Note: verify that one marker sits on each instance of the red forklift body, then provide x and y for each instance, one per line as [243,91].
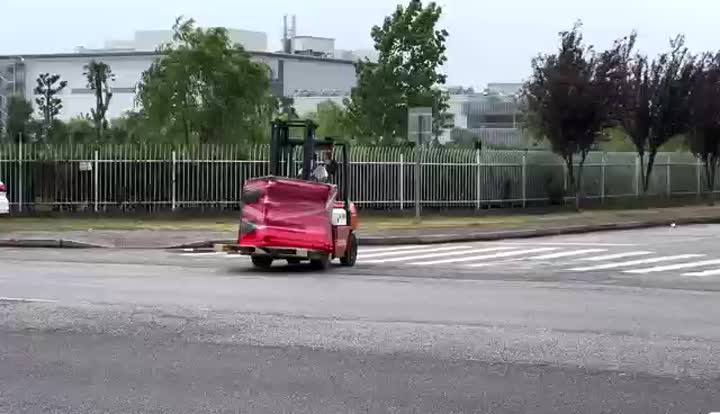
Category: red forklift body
[284,212]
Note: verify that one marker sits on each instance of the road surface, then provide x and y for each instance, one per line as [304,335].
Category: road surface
[607,322]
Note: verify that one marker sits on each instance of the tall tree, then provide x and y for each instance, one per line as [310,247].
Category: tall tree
[48,87]
[411,51]
[704,109]
[205,88]
[652,105]
[99,75]
[19,113]
[569,96]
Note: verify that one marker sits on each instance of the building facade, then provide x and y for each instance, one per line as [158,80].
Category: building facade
[288,73]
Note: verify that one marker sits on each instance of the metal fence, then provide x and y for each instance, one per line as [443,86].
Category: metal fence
[157,177]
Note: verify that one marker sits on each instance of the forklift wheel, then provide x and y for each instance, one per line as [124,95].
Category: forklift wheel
[351,253]
[321,263]
[262,262]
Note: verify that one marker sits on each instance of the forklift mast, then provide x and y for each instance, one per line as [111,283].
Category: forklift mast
[282,148]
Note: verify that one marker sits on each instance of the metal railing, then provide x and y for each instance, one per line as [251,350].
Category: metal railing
[163,177]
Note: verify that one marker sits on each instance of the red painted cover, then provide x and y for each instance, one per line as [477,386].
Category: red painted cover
[288,213]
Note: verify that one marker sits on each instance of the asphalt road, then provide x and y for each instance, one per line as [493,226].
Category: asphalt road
[547,325]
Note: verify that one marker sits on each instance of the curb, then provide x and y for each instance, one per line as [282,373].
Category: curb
[531,233]
[48,243]
[398,240]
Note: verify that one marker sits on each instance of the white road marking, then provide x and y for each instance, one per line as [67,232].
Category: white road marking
[674,267]
[445,254]
[389,249]
[636,262]
[712,272]
[567,244]
[202,254]
[567,254]
[28,300]
[423,250]
[487,256]
[615,256]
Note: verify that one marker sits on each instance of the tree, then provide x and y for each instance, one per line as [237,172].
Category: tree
[48,86]
[205,88]
[704,114]
[99,75]
[331,119]
[652,105]
[19,113]
[411,50]
[569,96]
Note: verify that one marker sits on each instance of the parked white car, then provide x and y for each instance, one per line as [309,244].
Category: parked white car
[4,203]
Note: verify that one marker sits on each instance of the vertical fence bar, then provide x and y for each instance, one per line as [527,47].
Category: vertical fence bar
[603,163]
[20,174]
[96,176]
[173,189]
[524,179]
[418,166]
[402,181]
[637,176]
[698,189]
[668,182]
[478,188]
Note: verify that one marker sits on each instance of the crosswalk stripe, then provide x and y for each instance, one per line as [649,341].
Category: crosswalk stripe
[674,267]
[636,262]
[431,255]
[389,249]
[487,256]
[429,249]
[615,256]
[508,254]
[203,254]
[711,272]
[567,254]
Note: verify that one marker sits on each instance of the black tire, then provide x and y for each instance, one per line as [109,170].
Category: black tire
[351,252]
[320,263]
[262,262]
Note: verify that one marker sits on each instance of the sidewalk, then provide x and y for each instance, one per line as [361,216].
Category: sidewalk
[128,233]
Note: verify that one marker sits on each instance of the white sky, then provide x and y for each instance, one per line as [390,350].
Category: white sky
[490,40]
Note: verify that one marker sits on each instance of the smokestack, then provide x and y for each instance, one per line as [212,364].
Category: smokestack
[293,32]
[285,35]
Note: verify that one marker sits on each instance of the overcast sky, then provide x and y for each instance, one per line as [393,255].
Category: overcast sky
[490,40]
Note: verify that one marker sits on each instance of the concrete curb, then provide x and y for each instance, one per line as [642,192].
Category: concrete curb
[48,243]
[397,240]
[530,233]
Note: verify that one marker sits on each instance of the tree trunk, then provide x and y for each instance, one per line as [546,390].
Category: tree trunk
[642,171]
[571,178]
[648,173]
[710,163]
[578,188]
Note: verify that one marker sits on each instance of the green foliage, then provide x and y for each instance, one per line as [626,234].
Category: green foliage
[99,75]
[19,113]
[464,138]
[332,120]
[411,51]
[48,86]
[206,89]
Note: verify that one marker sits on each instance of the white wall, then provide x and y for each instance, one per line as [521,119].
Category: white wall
[76,98]
[318,75]
[299,73]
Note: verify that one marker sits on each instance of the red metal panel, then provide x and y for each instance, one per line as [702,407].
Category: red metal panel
[289,213]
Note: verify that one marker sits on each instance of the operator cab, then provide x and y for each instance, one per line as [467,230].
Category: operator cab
[318,164]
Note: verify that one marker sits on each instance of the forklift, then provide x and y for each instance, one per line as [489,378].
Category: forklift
[299,216]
